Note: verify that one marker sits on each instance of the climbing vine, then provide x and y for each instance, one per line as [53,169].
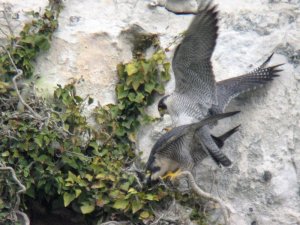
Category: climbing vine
[62,160]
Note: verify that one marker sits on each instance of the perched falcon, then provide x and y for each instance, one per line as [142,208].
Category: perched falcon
[196,93]
[176,149]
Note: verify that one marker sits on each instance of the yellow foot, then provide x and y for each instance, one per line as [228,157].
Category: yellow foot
[172,175]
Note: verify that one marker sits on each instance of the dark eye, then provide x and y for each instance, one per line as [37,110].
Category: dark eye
[155,169]
[162,105]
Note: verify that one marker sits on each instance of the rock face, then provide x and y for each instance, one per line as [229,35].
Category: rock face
[263,185]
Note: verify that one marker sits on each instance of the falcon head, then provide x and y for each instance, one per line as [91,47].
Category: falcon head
[162,106]
[158,166]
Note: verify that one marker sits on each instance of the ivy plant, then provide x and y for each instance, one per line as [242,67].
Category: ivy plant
[64,161]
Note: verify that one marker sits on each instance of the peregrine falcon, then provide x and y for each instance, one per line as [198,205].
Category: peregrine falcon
[176,149]
[196,93]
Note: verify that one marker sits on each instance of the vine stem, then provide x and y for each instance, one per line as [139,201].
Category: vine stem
[17,76]
[225,209]
[22,190]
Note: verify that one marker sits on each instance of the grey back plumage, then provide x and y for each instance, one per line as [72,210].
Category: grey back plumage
[191,62]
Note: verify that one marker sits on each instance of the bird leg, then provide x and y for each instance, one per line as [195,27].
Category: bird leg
[172,175]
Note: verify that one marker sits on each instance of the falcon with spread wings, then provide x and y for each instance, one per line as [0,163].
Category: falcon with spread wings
[196,93]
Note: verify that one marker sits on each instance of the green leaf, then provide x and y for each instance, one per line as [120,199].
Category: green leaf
[77,192]
[88,177]
[139,98]
[127,124]
[146,67]
[121,204]
[121,93]
[160,89]
[131,68]
[136,80]
[114,194]
[43,158]
[71,177]
[120,70]
[68,198]
[159,56]
[87,207]
[131,96]
[120,131]
[5,154]
[165,75]
[114,111]
[94,144]
[42,42]
[149,87]
[98,185]
[100,176]
[151,197]
[28,40]
[132,191]
[31,191]
[125,186]
[39,140]
[144,215]
[136,206]
[101,201]
[136,84]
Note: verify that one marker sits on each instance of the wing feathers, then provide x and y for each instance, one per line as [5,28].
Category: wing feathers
[231,88]
[191,62]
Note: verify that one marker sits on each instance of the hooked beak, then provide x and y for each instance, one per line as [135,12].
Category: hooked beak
[150,182]
[162,112]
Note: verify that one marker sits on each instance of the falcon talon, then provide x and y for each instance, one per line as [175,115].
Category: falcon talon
[172,175]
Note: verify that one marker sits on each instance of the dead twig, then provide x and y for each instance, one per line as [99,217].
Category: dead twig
[17,76]
[61,120]
[23,216]
[22,190]
[163,216]
[14,177]
[6,18]
[225,209]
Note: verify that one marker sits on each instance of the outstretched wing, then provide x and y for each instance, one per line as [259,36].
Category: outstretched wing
[231,88]
[191,62]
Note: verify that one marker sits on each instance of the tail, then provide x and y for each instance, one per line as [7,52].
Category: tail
[220,158]
[208,143]
[221,139]
[263,65]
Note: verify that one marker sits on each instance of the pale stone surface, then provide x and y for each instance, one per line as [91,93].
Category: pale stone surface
[263,184]
[177,6]
[16,13]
